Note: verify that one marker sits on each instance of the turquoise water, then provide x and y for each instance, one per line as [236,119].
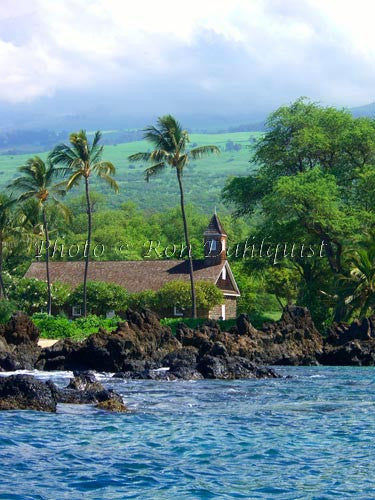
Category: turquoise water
[309,437]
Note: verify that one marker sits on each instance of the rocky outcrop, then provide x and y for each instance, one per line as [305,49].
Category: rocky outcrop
[350,344]
[140,337]
[236,367]
[18,343]
[142,348]
[25,392]
[293,340]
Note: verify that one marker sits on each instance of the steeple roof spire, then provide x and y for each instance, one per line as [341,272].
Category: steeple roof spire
[215,227]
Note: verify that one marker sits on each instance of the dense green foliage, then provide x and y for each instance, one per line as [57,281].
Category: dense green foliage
[59,327]
[312,195]
[177,293]
[101,297]
[7,308]
[304,216]
[31,295]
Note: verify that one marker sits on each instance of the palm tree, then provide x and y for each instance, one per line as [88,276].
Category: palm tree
[38,181]
[170,142]
[7,231]
[358,288]
[84,159]
[31,222]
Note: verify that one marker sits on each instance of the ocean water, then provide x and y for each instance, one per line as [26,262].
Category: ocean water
[311,436]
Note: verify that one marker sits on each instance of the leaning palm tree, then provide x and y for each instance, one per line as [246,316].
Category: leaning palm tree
[38,181]
[84,159]
[170,142]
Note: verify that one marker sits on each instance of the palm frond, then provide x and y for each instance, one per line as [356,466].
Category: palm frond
[80,144]
[157,138]
[159,155]
[74,180]
[202,151]
[67,214]
[154,170]
[26,195]
[63,154]
[105,167]
[23,183]
[109,180]
[96,151]
[140,157]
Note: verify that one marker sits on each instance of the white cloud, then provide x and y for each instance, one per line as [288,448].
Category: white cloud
[262,47]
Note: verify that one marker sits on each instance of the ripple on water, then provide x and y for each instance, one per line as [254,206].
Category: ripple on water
[308,437]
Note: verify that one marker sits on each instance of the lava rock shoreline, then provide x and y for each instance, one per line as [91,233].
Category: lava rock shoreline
[26,392]
[143,348]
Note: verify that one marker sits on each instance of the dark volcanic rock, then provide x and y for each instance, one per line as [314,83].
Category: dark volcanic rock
[182,364]
[352,344]
[292,340]
[18,343]
[19,330]
[25,392]
[112,405]
[353,353]
[141,348]
[244,327]
[341,333]
[85,389]
[233,367]
[141,337]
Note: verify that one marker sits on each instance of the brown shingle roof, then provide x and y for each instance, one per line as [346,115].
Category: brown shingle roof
[135,276]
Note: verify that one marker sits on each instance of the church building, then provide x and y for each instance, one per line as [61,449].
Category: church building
[137,276]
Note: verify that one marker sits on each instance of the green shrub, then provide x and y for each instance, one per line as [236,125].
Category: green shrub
[54,327]
[7,308]
[59,327]
[143,300]
[101,297]
[30,295]
[178,293]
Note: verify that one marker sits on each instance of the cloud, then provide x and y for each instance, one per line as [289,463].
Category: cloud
[211,54]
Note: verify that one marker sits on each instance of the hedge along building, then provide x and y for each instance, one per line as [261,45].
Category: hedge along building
[138,276]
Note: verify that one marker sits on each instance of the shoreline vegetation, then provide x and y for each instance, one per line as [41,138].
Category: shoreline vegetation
[310,184]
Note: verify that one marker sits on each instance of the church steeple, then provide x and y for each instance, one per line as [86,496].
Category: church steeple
[215,242]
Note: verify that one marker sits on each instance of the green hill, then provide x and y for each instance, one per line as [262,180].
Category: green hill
[204,178]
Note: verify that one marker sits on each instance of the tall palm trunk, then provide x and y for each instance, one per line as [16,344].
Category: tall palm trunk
[89,229]
[45,226]
[3,293]
[187,242]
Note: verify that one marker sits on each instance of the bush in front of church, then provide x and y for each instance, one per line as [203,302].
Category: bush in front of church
[101,297]
[178,294]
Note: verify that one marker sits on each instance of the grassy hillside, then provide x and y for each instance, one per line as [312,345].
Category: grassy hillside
[204,178]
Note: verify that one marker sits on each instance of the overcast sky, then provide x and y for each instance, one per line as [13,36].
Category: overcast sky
[199,57]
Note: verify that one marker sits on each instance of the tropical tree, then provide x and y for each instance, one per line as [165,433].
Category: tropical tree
[356,290]
[38,181]
[7,231]
[171,142]
[83,160]
[299,138]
